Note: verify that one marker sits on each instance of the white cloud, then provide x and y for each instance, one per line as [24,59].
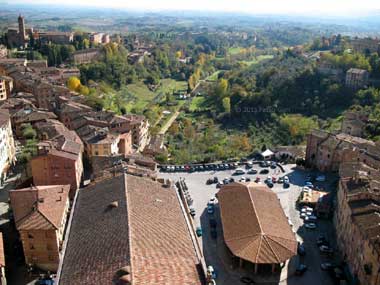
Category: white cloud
[327,7]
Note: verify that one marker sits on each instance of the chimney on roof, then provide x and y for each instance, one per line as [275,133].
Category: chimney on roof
[124,274]
[59,199]
[114,204]
[41,200]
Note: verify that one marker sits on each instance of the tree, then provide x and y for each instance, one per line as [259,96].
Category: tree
[73,83]
[28,132]
[227,105]
[85,44]
[83,90]
[178,54]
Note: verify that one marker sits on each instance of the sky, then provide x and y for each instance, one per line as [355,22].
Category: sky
[301,7]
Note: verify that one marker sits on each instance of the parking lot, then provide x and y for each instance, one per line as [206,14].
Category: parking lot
[216,253]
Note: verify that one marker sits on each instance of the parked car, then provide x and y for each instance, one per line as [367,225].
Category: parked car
[199,231]
[337,273]
[242,179]
[216,180]
[286,179]
[192,212]
[301,269]
[219,184]
[280,180]
[264,171]
[321,178]
[210,209]
[264,164]
[326,249]
[252,171]
[301,249]
[309,184]
[45,281]
[327,266]
[311,226]
[239,171]
[274,179]
[311,218]
[249,165]
[210,181]
[232,180]
[322,240]
[306,209]
[273,165]
[247,179]
[211,271]
[257,180]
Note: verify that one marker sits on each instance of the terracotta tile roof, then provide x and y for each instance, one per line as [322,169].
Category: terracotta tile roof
[39,207]
[33,116]
[162,250]
[130,221]
[63,138]
[255,227]
[98,239]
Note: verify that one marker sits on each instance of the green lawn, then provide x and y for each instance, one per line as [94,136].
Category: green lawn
[197,103]
[138,95]
[214,76]
[257,60]
[234,50]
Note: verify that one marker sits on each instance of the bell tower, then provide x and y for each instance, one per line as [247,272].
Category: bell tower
[21,28]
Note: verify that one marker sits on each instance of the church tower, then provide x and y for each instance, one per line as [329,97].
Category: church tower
[21,28]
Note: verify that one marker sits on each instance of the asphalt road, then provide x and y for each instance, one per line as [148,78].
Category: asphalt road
[216,253]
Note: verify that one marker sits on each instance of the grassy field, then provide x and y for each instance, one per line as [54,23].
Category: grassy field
[139,96]
[197,103]
[214,76]
[234,50]
[257,59]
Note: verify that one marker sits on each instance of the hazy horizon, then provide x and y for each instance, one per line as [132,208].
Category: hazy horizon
[327,8]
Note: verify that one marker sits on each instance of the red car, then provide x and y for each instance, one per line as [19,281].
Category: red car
[257,179]
[274,179]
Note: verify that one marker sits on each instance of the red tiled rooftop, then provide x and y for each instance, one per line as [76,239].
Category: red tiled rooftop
[128,222]
[255,227]
[39,207]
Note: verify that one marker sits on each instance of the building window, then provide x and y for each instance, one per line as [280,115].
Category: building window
[30,236]
[31,246]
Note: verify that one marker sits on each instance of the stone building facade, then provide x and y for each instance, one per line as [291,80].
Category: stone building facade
[357,222]
[40,214]
[7,144]
[356,78]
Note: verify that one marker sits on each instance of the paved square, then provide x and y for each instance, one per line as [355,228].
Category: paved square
[215,251]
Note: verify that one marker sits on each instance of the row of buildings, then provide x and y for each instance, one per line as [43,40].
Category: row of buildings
[354,78]
[357,209]
[68,131]
[21,36]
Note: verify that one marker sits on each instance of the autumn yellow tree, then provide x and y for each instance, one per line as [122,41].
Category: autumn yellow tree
[83,90]
[73,83]
[178,54]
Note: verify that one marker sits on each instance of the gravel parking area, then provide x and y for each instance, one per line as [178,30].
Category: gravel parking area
[216,253]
